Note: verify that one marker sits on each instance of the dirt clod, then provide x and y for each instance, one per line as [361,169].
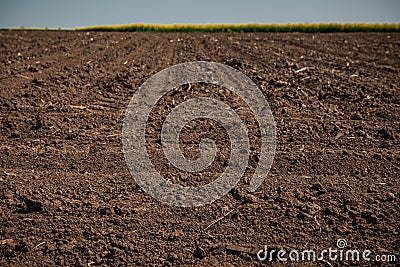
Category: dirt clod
[32,205]
[199,253]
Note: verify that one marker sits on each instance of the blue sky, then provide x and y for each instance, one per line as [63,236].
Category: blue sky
[76,13]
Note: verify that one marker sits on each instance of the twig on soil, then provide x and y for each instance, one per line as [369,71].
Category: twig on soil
[23,76]
[217,220]
[211,236]
[241,249]
[316,221]
[327,262]
[38,245]
[303,69]
[189,87]
[347,186]
[78,107]
[112,135]
[5,241]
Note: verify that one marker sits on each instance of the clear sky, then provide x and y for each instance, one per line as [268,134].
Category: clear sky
[76,13]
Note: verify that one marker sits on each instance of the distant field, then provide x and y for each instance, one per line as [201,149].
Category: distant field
[322,27]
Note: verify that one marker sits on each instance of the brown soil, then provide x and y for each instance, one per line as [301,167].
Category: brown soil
[67,197]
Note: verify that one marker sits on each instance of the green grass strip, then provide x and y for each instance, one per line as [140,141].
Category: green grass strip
[322,27]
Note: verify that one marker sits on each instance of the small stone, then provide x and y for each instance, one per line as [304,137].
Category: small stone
[51,246]
[390,196]
[251,198]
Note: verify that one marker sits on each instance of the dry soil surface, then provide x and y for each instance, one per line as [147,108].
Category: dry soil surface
[67,197]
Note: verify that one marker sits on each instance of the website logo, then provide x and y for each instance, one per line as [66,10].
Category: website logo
[147,97]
